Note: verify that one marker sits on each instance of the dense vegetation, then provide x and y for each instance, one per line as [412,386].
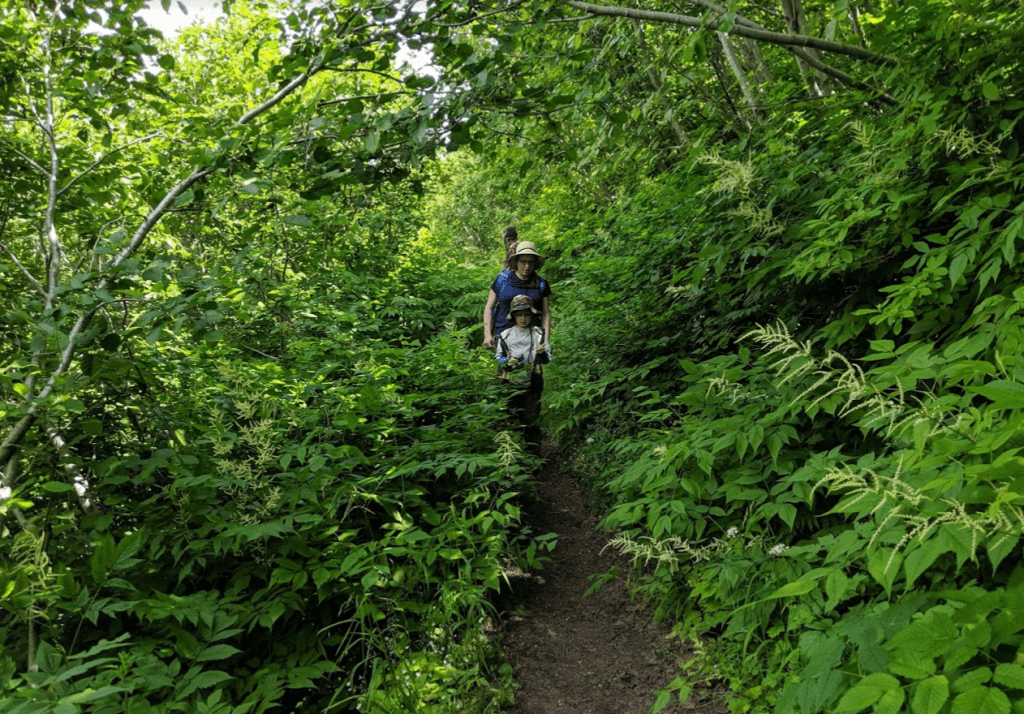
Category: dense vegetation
[249,455]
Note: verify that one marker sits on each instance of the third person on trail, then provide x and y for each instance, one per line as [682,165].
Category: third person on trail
[510,237]
[522,279]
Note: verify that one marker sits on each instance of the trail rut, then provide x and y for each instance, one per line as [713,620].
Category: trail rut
[600,654]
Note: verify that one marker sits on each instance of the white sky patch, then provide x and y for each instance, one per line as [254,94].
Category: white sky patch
[182,13]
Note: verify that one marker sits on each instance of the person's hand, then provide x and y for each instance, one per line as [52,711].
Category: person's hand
[542,348]
[512,362]
[489,342]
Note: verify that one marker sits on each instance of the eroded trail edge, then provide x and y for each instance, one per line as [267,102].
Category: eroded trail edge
[600,654]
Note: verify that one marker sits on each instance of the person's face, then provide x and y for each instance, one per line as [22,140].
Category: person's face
[523,318]
[525,266]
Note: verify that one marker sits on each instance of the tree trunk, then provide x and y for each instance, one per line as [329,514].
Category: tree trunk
[756,61]
[817,83]
[741,78]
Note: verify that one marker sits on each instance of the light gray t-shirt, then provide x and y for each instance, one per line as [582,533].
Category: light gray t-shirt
[521,343]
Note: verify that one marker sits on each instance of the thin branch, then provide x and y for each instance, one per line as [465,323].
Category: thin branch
[103,158]
[767,10]
[352,70]
[476,18]
[742,29]
[342,100]
[578,18]
[23,269]
[842,76]
[30,162]
[274,100]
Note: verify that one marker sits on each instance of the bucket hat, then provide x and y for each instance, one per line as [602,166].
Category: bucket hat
[525,247]
[520,303]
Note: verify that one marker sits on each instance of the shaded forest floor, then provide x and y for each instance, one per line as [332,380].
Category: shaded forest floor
[600,654]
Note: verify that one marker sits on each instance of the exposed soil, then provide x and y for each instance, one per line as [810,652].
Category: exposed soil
[600,654]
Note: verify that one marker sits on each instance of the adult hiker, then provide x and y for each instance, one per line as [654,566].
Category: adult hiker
[521,352]
[522,279]
[509,237]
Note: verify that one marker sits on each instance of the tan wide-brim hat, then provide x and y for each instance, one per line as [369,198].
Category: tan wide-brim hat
[525,247]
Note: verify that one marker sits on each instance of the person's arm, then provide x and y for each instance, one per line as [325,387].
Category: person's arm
[543,349]
[546,319]
[488,309]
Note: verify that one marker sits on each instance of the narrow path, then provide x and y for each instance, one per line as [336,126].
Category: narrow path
[572,654]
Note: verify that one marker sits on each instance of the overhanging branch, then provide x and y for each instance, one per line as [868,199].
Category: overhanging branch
[743,29]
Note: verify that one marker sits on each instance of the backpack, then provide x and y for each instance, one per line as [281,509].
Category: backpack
[521,375]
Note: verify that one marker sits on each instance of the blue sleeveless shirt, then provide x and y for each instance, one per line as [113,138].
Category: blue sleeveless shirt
[506,286]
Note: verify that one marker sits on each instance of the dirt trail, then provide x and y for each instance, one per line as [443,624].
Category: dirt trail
[600,654]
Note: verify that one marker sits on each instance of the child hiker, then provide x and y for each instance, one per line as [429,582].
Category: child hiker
[522,350]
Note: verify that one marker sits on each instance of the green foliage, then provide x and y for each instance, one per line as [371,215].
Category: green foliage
[246,450]
[788,361]
[236,465]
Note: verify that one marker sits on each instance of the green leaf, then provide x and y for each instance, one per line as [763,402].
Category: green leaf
[866,692]
[1009,675]
[184,199]
[891,702]
[1004,393]
[191,683]
[110,342]
[835,587]
[982,700]
[102,558]
[797,587]
[884,566]
[371,142]
[90,695]
[930,695]
[999,546]
[920,559]
[166,62]
[217,652]
[990,91]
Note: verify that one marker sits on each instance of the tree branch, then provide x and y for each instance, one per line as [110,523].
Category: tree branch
[342,100]
[352,70]
[842,76]
[743,29]
[481,17]
[30,162]
[23,269]
[103,158]
[17,432]
[78,481]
